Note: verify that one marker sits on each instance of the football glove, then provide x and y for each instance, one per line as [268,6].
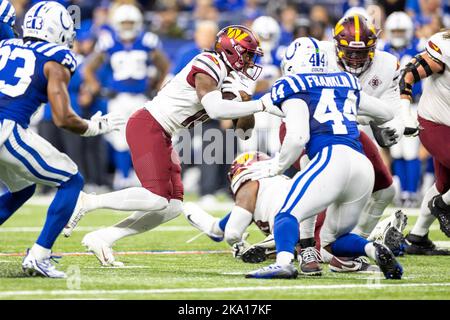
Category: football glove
[235,83]
[99,124]
[240,247]
[264,169]
[385,137]
[269,107]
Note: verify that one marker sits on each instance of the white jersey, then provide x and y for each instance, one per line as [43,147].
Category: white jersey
[380,80]
[271,195]
[434,104]
[177,105]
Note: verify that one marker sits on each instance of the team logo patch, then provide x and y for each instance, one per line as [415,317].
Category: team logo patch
[375,82]
[434,47]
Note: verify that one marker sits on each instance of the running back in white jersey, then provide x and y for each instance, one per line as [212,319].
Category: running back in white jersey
[271,194]
[434,104]
[177,105]
[380,80]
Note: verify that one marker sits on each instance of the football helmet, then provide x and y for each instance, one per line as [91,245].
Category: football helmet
[304,56]
[399,29]
[49,21]
[238,169]
[268,31]
[239,48]
[127,21]
[355,40]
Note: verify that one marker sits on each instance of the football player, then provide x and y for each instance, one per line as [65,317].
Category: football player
[194,95]
[34,70]
[7,20]
[406,165]
[434,119]
[131,53]
[321,110]
[353,51]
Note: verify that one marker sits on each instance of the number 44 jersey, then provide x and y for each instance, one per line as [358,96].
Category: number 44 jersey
[332,101]
[23,85]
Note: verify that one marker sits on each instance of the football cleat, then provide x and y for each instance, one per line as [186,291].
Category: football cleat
[422,245]
[441,211]
[360,264]
[389,231]
[101,250]
[387,262]
[260,251]
[77,214]
[309,262]
[201,220]
[34,268]
[274,271]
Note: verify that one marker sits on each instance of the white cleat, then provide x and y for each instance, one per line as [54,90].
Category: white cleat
[34,268]
[77,214]
[201,220]
[101,250]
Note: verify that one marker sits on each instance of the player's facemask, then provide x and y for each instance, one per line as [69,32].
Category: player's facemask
[356,60]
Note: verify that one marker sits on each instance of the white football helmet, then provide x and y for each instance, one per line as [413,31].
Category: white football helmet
[399,29]
[304,56]
[268,31]
[49,21]
[128,21]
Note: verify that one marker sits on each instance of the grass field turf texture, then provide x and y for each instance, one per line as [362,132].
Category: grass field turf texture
[178,272]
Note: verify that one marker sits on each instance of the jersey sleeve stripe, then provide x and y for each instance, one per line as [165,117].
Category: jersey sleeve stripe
[292,84]
[209,69]
[54,50]
[300,82]
[4,9]
[45,47]
[10,17]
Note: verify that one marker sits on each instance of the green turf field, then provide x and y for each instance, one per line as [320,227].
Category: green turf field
[205,275]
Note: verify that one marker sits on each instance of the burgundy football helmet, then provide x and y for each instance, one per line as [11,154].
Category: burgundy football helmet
[239,48]
[355,40]
[238,168]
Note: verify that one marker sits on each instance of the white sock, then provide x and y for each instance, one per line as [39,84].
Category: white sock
[326,256]
[370,250]
[140,222]
[216,229]
[284,258]
[425,218]
[307,227]
[373,211]
[130,199]
[446,197]
[39,252]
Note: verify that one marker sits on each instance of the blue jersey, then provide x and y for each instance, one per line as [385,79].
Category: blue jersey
[333,101]
[404,55]
[23,85]
[129,62]
[7,20]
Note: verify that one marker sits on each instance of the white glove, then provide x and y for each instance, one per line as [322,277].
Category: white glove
[235,83]
[99,124]
[240,247]
[407,115]
[398,125]
[269,107]
[264,169]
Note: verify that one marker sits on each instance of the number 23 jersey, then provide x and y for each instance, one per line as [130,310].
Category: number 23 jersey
[332,100]
[23,85]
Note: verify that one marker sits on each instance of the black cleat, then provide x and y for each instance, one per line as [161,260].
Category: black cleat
[254,254]
[441,211]
[422,245]
[387,262]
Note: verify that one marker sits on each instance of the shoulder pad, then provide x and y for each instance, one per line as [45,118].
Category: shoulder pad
[285,87]
[151,40]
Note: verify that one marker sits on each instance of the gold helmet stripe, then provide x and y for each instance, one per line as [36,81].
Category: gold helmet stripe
[357,29]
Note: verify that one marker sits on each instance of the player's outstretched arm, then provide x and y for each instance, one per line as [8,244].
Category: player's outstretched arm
[63,115]
[421,66]
[375,108]
[58,78]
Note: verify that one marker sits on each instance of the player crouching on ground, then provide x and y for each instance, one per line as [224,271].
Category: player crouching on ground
[321,111]
[259,201]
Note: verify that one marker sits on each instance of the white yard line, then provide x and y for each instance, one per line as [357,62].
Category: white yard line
[81,228]
[218,290]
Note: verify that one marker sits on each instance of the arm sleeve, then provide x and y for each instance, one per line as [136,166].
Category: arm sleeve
[218,108]
[374,108]
[238,222]
[297,132]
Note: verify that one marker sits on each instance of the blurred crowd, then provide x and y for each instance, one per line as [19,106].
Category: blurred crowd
[180,30]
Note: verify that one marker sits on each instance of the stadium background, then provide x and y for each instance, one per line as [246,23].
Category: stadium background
[181,28]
